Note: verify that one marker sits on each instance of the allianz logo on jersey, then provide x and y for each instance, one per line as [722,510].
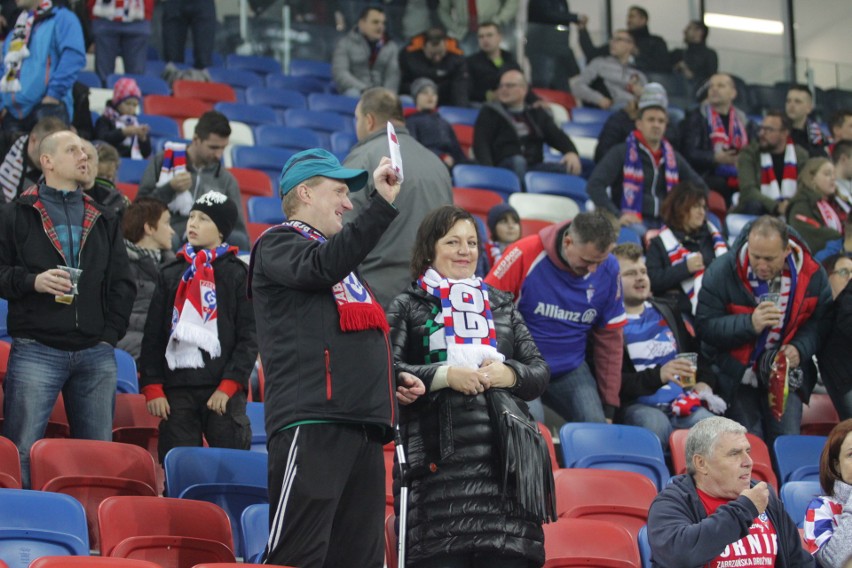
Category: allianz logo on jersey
[555,312]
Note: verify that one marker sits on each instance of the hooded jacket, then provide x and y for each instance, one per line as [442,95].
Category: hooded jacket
[803,214]
[350,64]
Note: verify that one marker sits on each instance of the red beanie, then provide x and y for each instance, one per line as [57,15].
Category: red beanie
[125,88]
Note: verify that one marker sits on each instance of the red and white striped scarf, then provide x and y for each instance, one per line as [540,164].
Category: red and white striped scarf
[736,137]
[119,10]
[829,215]
[18,45]
[678,254]
[634,176]
[769,185]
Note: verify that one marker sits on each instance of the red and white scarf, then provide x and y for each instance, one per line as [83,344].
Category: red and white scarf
[634,175]
[119,10]
[174,162]
[829,216]
[195,314]
[123,120]
[466,313]
[678,254]
[18,45]
[736,136]
[769,184]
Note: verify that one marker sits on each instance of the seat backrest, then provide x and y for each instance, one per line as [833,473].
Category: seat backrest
[798,457]
[735,223]
[257,63]
[35,524]
[178,109]
[582,542]
[238,78]
[333,103]
[391,542]
[544,207]
[533,226]
[260,158]
[644,547]
[265,210]
[587,129]
[131,171]
[126,372]
[204,91]
[620,497]
[276,98]
[762,467]
[249,114]
[614,446]
[10,465]
[819,416]
[162,126]
[476,201]
[589,114]
[563,98]
[275,135]
[551,449]
[86,561]
[254,411]
[252,182]
[677,448]
[459,115]
[323,121]
[486,177]
[565,185]
[310,68]
[304,84]
[254,524]
[796,495]
[342,142]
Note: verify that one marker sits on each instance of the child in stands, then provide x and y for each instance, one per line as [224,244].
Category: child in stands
[200,345]
[504,223]
[119,125]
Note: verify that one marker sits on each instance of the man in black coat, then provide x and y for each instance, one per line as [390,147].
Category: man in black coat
[439,61]
[486,65]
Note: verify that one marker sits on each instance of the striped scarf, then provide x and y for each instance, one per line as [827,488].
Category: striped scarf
[468,323]
[18,49]
[13,169]
[119,10]
[634,175]
[678,254]
[814,132]
[769,184]
[823,517]
[122,120]
[174,162]
[829,216]
[736,136]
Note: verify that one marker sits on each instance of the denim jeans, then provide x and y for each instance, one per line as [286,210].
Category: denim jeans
[179,16]
[574,396]
[519,165]
[659,422]
[34,378]
[750,407]
[118,39]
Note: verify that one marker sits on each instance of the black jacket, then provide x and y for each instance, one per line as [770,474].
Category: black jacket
[101,309]
[701,60]
[145,271]
[106,130]
[456,486]
[235,324]
[495,137]
[695,142]
[653,53]
[450,74]
[484,75]
[833,356]
[315,371]
[618,127]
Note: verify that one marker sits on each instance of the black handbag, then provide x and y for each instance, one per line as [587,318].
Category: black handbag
[524,458]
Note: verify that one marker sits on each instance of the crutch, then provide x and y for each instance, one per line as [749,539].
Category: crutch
[403,495]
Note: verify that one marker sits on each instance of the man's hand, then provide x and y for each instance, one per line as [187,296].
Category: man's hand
[766,314]
[385,180]
[217,402]
[605,103]
[159,407]
[467,381]
[628,219]
[410,388]
[181,182]
[726,157]
[793,357]
[53,281]
[572,163]
[582,21]
[782,206]
[497,374]
[759,495]
[48,100]
[694,263]
[672,371]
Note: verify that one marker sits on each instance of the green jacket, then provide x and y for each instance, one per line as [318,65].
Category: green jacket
[748,172]
[803,215]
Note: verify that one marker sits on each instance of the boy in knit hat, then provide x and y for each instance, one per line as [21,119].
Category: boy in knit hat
[119,125]
[200,344]
[429,128]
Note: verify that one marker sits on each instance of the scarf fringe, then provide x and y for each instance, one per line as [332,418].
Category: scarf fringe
[198,337]
[358,317]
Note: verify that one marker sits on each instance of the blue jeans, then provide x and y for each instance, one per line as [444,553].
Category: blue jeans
[37,374]
[519,165]
[574,396]
[661,423]
[750,407]
[118,39]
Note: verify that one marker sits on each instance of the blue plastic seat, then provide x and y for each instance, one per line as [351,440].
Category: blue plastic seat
[4,313]
[256,63]
[265,210]
[254,411]
[558,184]
[798,457]
[163,126]
[276,98]
[589,114]
[796,495]
[292,138]
[39,523]
[235,77]
[147,84]
[587,129]
[459,115]
[319,120]
[130,170]
[268,160]
[128,381]
[332,103]
[304,84]
[735,223]
[644,547]
[310,68]
[342,142]
[628,235]
[500,180]
[90,79]
[614,446]
[255,531]
[252,115]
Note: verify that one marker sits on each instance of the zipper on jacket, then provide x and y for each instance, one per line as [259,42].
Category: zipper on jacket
[327,375]
[72,256]
[391,381]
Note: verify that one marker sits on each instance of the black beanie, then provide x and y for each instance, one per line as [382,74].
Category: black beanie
[218,207]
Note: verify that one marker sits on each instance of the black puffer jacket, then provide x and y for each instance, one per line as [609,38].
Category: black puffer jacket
[455,495]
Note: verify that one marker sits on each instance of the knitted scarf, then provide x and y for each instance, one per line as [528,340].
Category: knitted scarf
[736,136]
[174,162]
[119,10]
[122,120]
[155,254]
[468,323]
[829,216]
[769,184]
[814,132]
[356,306]
[678,254]
[12,168]
[194,319]
[18,45]
[634,176]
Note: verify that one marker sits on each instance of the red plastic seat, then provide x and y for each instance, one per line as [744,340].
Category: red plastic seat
[533,226]
[133,424]
[819,416]
[10,465]
[551,449]
[129,190]
[391,542]
[179,109]
[90,471]
[253,182]
[207,91]
[575,543]
[57,424]
[175,533]
[464,134]
[86,561]
[5,348]
[563,98]
[476,201]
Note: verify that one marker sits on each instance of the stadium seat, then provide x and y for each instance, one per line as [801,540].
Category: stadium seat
[5,349]
[178,109]
[231,479]
[254,411]
[254,531]
[36,523]
[464,134]
[476,201]
[766,97]
[589,114]
[90,471]
[620,497]
[716,204]
[572,543]
[57,423]
[276,98]
[265,210]
[204,91]
[798,457]
[98,99]
[178,533]
[133,424]
[552,208]
[127,378]
[563,98]
[86,561]
[644,547]
[391,542]
[459,115]
[500,180]
[90,79]
[310,68]
[303,84]
[614,446]
[268,160]
[342,142]
[291,138]
[533,226]
[257,63]
[819,416]
[586,129]
[319,120]
[237,78]
[162,126]
[628,235]
[252,182]
[4,313]
[130,170]
[333,103]
[735,223]
[255,230]
[551,449]
[10,465]
[147,84]
[565,185]
[796,495]
[253,115]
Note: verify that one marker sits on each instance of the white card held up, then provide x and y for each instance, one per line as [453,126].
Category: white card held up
[395,154]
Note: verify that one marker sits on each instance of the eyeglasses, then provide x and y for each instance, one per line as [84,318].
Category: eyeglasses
[769,129]
[843,272]
[509,85]
[623,38]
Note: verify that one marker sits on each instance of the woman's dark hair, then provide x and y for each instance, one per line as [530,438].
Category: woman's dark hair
[145,210]
[678,202]
[434,226]
[830,262]
[829,472]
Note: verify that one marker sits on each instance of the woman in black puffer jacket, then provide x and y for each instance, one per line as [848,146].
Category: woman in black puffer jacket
[459,513]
